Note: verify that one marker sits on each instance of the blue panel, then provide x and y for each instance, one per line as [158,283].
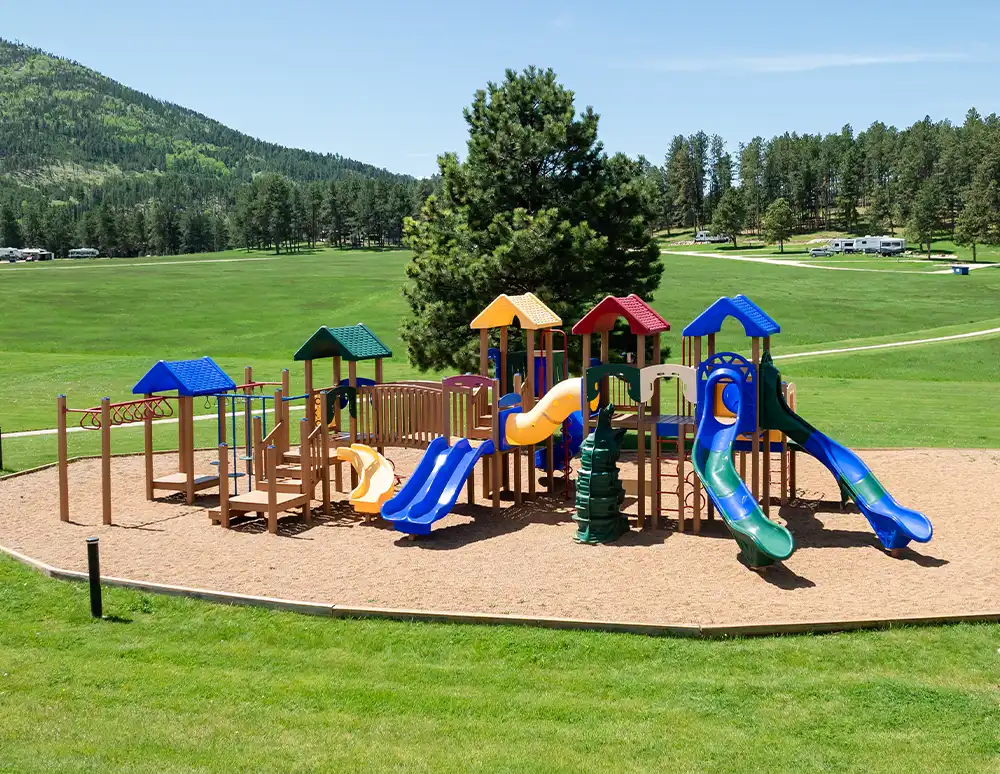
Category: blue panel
[188,377]
[754,320]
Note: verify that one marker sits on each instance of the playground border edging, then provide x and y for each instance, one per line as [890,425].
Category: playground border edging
[332,610]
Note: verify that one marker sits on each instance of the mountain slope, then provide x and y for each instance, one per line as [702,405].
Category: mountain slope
[64,124]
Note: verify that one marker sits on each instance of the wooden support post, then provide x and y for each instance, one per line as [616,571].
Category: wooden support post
[272,490]
[640,434]
[654,453]
[755,448]
[549,337]
[497,438]
[516,453]
[681,454]
[189,450]
[305,467]
[309,385]
[106,459]
[352,380]
[181,433]
[338,470]
[224,485]
[258,452]
[657,355]
[286,426]
[504,387]
[484,346]
[605,359]
[529,403]
[324,437]
[147,445]
[62,456]
[470,411]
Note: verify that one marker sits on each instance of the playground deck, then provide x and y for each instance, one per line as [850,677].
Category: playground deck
[525,561]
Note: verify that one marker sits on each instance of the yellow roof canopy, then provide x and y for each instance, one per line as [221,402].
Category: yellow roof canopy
[528,308]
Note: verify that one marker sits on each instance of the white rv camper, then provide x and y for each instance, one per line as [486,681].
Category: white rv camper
[841,245]
[868,244]
[892,246]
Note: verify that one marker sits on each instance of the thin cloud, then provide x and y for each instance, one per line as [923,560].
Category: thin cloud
[795,63]
[563,21]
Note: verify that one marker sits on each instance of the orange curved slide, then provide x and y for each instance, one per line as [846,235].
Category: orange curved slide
[545,418]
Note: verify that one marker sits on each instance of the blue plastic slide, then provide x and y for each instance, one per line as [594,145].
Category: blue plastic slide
[432,490]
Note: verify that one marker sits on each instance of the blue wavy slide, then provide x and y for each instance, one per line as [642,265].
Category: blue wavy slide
[433,489]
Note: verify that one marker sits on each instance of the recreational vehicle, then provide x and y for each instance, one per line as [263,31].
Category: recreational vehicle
[868,244]
[705,236]
[892,246]
[841,245]
[10,254]
[83,252]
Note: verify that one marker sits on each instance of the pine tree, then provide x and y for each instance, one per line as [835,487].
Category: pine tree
[778,223]
[10,229]
[535,206]
[729,215]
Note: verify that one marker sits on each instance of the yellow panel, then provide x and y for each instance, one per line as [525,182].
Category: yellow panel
[527,308]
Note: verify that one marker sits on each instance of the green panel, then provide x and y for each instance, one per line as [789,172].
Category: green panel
[628,374]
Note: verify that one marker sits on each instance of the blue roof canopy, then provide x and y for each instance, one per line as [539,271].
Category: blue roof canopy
[189,377]
[754,320]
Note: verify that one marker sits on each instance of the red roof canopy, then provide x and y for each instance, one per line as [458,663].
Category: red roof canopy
[642,320]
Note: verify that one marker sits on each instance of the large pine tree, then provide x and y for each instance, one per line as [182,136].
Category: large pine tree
[536,206]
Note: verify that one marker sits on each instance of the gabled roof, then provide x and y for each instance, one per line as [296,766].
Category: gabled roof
[350,342]
[642,319]
[754,320]
[527,308]
[188,377]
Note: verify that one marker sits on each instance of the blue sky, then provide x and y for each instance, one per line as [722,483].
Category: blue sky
[385,82]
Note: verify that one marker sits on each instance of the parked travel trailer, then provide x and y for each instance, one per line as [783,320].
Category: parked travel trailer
[707,236]
[83,252]
[892,246]
[868,244]
[841,245]
[10,254]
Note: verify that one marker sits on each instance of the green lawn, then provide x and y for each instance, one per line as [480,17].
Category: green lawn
[92,328]
[180,686]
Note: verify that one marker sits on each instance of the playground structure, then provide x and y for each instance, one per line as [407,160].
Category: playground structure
[732,436]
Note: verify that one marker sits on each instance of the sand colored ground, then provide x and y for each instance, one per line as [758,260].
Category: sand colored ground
[526,562]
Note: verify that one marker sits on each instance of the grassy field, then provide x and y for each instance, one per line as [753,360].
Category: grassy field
[177,686]
[93,328]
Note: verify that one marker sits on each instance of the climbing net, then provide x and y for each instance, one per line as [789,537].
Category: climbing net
[126,413]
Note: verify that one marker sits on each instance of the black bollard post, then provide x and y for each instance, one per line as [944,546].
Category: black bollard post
[94,571]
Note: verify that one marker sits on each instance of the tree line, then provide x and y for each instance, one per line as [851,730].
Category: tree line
[270,212]
[928,178]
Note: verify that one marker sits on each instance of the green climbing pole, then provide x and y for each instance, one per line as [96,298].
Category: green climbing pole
[599,492]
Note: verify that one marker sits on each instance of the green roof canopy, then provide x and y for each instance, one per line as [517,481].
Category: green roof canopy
[351,342]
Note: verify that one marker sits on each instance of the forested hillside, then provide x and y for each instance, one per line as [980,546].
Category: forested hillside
[85,160]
